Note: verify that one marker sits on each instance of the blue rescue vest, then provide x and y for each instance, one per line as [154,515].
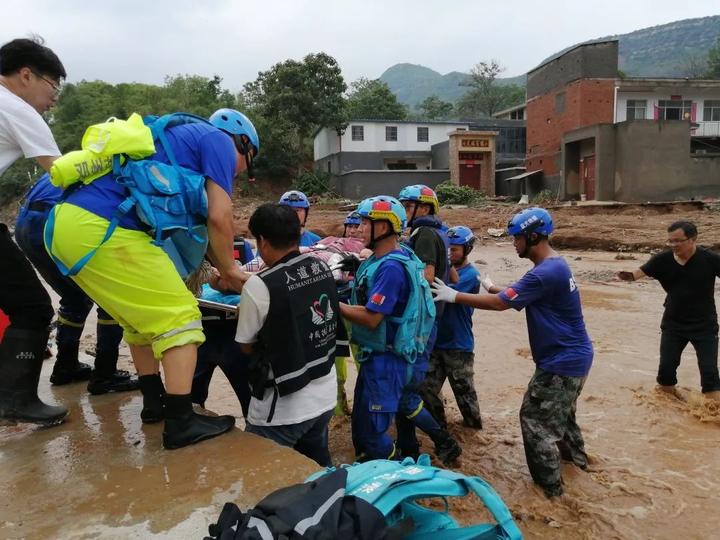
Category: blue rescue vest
[170,199]
[413,326]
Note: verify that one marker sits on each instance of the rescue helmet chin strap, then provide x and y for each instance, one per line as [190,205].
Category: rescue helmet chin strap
[374,240]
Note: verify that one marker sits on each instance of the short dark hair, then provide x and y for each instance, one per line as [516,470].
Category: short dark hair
[276,223]
[30,53]
[688,227]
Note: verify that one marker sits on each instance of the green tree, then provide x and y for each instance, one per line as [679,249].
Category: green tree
[373,99]
[486,96]
[290,102]
[434,108]
[713,62]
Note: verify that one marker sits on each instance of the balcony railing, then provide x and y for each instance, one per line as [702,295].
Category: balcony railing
[705,129]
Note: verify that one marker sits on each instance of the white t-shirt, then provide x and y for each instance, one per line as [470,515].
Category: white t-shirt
[319,396]
[23,132]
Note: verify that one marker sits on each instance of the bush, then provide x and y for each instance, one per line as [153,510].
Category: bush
[313,183]
[449,193]
[545,198]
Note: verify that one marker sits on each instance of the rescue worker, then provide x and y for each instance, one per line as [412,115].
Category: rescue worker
[351,225]
[287,324]
[30,79]
[382,374]
[138,284]
[559,342]
[429,242]
[453,357]
[299,202]
[75,305]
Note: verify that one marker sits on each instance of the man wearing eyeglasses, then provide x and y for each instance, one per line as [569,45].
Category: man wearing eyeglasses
[30,76]
[687,274]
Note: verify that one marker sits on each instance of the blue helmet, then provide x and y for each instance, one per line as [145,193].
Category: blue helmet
[384,208]
[461,236]
[531,220]
[295,199]
[353,218]
[422,194]
[234,123]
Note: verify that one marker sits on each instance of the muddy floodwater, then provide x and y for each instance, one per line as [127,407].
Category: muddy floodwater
[655,459]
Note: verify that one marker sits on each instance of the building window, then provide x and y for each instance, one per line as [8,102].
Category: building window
[423,134]
[636,109]
[358,133]
[391,133]
[674,109]
[711,110]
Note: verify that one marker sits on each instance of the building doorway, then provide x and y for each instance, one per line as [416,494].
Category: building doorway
[470,176]
[587,167]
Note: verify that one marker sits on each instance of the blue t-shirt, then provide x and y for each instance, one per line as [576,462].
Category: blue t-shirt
[558,339]
[199,147]
[308,238]
[455,332]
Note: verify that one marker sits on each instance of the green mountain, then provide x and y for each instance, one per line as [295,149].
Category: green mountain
[666,50]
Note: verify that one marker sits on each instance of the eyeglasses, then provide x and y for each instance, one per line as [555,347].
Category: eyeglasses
[55,86]
[676,241]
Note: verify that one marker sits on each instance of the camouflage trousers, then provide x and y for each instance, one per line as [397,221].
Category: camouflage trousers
[549,430]
[457,366]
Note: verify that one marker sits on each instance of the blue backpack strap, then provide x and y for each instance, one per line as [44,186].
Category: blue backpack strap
[159,125]
[49,232]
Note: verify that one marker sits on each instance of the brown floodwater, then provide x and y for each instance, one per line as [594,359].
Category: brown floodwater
[655,459]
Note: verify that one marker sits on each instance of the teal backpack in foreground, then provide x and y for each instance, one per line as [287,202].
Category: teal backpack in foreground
[393,487]
[415,324]
[170,199]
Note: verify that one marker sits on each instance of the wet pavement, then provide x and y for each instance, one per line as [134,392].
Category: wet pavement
[103,474]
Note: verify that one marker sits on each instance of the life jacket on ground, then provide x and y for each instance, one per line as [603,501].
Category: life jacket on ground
[413,326]
[170,199]
[393,488]
[316,510]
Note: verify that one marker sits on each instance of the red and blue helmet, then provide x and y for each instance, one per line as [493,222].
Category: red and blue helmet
[294,199]
[384,208]
[422,194]
[531,220]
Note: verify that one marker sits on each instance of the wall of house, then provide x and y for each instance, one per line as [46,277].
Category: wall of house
[362,184]
[653,163]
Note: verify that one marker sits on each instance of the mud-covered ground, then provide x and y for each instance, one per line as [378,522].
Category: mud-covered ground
[654,459]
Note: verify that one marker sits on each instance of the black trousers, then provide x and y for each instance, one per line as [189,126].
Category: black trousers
[22,296]
[706,348]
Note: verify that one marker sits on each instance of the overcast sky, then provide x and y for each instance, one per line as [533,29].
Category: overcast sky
[142,41]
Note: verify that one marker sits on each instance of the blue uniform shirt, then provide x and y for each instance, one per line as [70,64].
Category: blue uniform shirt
[199,147]
[308,238]
[556,328]
[455,332]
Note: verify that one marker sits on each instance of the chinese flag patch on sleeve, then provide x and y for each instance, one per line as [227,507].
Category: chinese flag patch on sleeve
[377,299]
[510,293]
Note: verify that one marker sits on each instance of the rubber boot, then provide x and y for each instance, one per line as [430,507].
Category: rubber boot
[21,357]
[153,392]
[106,377]
[183,427]
[446,448]
[67,368]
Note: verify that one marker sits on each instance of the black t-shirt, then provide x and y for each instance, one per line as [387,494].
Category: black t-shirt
[430,249]
[690,288]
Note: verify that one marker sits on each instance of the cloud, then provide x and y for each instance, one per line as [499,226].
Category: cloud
[144,41]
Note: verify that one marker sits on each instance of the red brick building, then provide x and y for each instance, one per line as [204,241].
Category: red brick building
[571,91]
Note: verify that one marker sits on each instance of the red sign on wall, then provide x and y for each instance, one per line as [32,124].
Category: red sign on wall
[475,143]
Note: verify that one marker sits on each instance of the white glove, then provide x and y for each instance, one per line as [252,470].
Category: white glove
[441,292]
[486,282]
